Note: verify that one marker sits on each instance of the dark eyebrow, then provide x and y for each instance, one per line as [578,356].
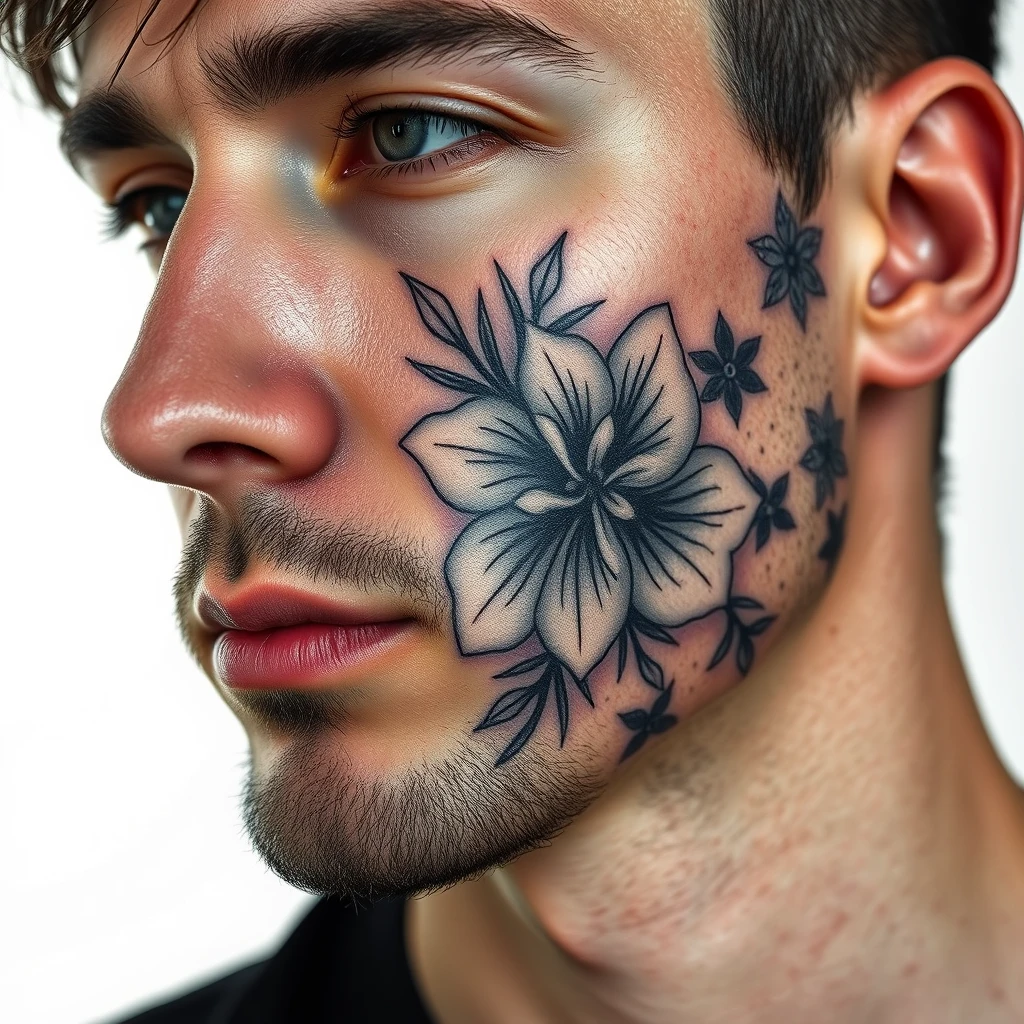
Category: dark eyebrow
[254,71]
[111,119]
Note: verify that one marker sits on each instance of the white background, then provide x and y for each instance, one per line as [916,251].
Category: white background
[124,870]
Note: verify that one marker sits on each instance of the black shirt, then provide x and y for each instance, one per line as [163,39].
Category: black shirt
[341,965]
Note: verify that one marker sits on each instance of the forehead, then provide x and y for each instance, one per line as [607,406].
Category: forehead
[157,48]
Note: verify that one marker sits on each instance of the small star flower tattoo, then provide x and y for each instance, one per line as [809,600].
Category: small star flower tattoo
[790,255]
[833,546]
[648,723]
[728,369]
[824,458]
[770,512]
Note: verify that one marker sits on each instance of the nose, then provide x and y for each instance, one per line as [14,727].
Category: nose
[223,392]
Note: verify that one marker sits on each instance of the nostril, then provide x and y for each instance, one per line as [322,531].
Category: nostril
[227,453]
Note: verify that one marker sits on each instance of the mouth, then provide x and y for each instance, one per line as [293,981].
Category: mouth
[278,638]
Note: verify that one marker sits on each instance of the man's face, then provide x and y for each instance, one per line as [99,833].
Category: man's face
[460,539]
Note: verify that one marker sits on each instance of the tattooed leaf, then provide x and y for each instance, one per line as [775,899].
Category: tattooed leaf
[713,389]
[779,490]
[488,342]
[650,670]
[520,739]
[508,706]
[706,361]
[515,307]
[562,324]
[760,626]
[782,520]
[562,704]
[811,280]
[750,381]
[724,646]
[768,250]
[451,379]
[655,632]
[785,223]
[746,603]
[777,287]
[525,666]
[798,300]
[584,687]
[623,654]
[635,719]
[813,459]
[663,724]
[660,706]
[638,740]
[808,243]
[725,342]
[747,352]
[734,401]
[745,654]
[437,313]
[764,530]
[546,278]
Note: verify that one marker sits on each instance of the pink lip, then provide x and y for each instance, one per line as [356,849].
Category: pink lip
[274,637]
[301,655]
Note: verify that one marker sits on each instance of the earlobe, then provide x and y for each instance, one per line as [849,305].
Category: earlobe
[942,165]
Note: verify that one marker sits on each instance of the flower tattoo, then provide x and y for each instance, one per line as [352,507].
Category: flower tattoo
[595,513]
[770,512]
[824,458]
[729,372]
[790,255]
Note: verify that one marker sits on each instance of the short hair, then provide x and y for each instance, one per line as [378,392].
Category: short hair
[792,69]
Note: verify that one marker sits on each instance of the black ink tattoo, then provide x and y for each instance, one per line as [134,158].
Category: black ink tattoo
[737,629]
[595,513]
[790,254]
[833,546]
[729,370]
[645,724]
[770,513]
[824,458]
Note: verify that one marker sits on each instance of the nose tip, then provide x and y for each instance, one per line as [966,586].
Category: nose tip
[217,438]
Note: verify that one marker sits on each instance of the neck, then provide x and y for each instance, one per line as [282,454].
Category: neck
[834,839]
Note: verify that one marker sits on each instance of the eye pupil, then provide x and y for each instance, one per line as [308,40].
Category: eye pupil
[162,208]
[400,135]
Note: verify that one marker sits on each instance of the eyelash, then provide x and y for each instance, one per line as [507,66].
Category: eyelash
[119,217]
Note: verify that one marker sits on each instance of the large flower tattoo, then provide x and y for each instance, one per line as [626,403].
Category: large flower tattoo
[590,496]
[592,503]
[790,254]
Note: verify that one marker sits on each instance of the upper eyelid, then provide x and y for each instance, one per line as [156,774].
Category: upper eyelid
[357,114]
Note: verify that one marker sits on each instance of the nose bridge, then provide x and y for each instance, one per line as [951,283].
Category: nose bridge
[222,390]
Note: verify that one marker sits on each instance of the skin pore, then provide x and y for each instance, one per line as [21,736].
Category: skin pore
[751,782]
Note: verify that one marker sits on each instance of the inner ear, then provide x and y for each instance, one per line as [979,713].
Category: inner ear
[943,199]
[918,249]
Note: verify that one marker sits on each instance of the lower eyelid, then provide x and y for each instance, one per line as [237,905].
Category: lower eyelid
[484,139]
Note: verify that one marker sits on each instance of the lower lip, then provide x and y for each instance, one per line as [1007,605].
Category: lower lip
[294,656]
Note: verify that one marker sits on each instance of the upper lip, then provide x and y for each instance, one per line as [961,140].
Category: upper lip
[275,607]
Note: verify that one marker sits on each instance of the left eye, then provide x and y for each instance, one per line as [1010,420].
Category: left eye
[406,134]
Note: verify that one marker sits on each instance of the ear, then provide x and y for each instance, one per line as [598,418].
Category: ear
[940,159]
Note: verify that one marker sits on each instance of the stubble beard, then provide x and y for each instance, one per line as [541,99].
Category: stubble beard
[325,828]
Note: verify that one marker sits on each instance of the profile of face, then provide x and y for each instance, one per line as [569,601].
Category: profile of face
[499,388]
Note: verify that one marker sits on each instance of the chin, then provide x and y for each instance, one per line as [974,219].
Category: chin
[327,823]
